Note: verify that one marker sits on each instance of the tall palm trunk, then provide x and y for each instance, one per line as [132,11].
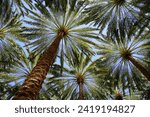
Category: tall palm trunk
[81,96]
[32,85]
[140,67]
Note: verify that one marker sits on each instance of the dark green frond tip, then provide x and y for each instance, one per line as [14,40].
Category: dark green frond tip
[118,2]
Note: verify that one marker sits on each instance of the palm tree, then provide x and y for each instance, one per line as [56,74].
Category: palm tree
[56,29]
[126,85]
[126,55]
[80,79]
[10,32]
[50,33]
[109,15]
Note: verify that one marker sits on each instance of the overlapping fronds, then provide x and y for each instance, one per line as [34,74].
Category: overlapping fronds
[10,31]
[115,54]
[113,14]
[45,23]
[80,65]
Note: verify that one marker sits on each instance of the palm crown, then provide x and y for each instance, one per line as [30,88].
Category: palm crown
[112,14]
[118,53]
[79,80]
[49,34]
[48,23]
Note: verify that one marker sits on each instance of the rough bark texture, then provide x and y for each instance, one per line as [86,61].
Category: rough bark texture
[81,96]
[140,67]
[32,85]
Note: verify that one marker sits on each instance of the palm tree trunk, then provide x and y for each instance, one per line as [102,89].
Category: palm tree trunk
[81,96]
[32,85]
[140,67]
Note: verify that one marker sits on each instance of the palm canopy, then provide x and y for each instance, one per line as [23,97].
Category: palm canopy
[47,23]
[10,31]
[49,33]
[63,21]
[117,52]
[112,14]
[113,82]
[80,69]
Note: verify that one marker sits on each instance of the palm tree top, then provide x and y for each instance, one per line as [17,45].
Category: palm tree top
[80,70]
[109,15]
[119,51]
[48,23]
